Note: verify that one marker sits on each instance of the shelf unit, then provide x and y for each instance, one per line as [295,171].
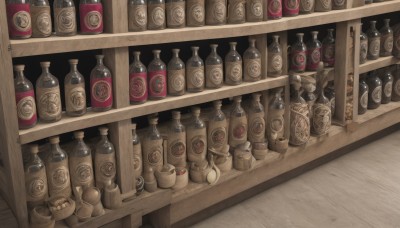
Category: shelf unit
[167,207]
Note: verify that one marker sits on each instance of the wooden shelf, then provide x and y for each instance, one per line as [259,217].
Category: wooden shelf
[331,73]
[90,119]
[375,113]
[40,46]
[371,65]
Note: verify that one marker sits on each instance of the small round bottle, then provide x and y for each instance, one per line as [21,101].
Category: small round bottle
[328,49]
[387,86]
[252,63]
[216,12]
[19,19]
[104,160]
[214,69]
[254,10]
[74,88]
[156,15]
[176,141]
[313,52]
[196,137]
[41,18]
[237,124]
[362,95]
[137,15]
[291,8]
[375,90]
[236,11]
[374,41]
[101,87]
[298,55]
[275,60]
[273,9]
[64,17]
[176,75]
[233,66]
[175,10]
[25,99]
[35,179]
[91,16]
[363,46]
[195,72]
[138,92]
[195,13]
[386,39]
[157,77]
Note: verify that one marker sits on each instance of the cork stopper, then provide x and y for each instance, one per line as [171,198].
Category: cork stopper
[19,67]
[34,148]
[237,99]
[133,126]
[176,50]
[54,140]
[213,45]
[45,64]
[157,51]
[153,120]
[103,130]
[73,61]
[79,134]
[256,96]
[217,104]
[196,111]
[99,56]
[176,115]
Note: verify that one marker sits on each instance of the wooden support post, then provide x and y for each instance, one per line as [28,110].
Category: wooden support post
[356,31]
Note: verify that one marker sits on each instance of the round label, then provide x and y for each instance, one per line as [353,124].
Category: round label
[329,51]
[219,12]
[215,74]
[292,4]
[198,144]
[363,49]
[137,162]
[158,16]
[256,9]
[197,12]
[396,88]
[397,42]
[76,98]
[326,4]
[157,83]
[37,188]
[218,136]
[240,131]
[176,79]
[60,178]
[66,19]
[26,108]
[137,87]
[364,100]
[50,104]
[22,21]
[108,169]
[321,118]
[374,47]
[238,11]
[101,91]
[155,156]
[257,126]
[387,90]
[93,19]
[276,124]
[140,15]
[177,15]
[234,71]
[84,173]
[316,55]
[43,23]
[307,5]
[178,148]
[299,59]
[376,94]
[196,76]
[276,62]
[339,2]
[253,68]
[388,44]
[274,6]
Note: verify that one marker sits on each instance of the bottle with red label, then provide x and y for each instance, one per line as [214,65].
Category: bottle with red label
[19,19]
[25,98]
[65,18]
[41,18]
[101,87]
[328,49]
[273,9]
[291,8]
[137,81]
[313,52]
[91,16]
[157,80]
[237,124]
[298,55]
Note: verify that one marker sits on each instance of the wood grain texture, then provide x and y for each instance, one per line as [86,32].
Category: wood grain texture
[357,32]
[371,65]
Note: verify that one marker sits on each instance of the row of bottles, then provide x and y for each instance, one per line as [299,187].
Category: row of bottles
[48,98]
[32,18]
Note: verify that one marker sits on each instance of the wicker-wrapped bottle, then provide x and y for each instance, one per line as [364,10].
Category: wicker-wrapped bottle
[175,10]
[387,85]
[275,60]
[138,89]
[157,77]
[233,66]
[25,99]
[64,17]
[363,46]
[101,87]
[313,52]
[195,72]
[362,95]
[104,160]
[41,18]
[328,49]
[74,89]
[19,19]
[176,141]
[196,137]
[137,15]
[298,55]
[374,41]
[237,124]
[375,90]
[195,13]
[35,179]
[252,62]
[91,16]
[386,39]
[214,69]
[176,75]
[156,15]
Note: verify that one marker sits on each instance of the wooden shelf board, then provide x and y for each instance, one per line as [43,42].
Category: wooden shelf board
[90,119]
[40,46]
[371,65]
[330,70]
[376,113]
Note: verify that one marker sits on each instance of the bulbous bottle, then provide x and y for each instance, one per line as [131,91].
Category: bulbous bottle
[156,15]
[153,146]
[196,137]
[363,46]
[74,88]
[137,160]
[387,86]
[275,121]
[48,97]
[256,122]
[274,9]
[386,39]
[35,179]
[275,60]
[138,92]
[216,11]
[176,141]
[298,55]
[254,10]
[137,15]
[233,66]
[195,72]
[313,52]
[104,160]
[41,18]
[291,8]
[91,16]
[157,77]
[101,87]
[374,41]
[252,63]
[195,13]
[214,69]
[217,134]
[307,6]
[237,124]
[176,17]
[236,11]
[323,5]
[25,99]
[375,90]
[396,84]
[176,75]
[64,17]
[19,19]
[362,95]
[328,49]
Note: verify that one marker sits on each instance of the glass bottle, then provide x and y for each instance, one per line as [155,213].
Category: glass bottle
[387,86]
[35,179]
[396,84]
[101,86]
[298,55]
[309,87]
[233,66]
[74,88]
[254,11]
[25,99]
[375,90]
[196,137]
[214,69]
[252,62]
[274,9]
[91,16]
[137,153]
[137,80]
[339,4]
[323,5]
[237,124]
[176,141]
[386,39]
[80,163]
[104,160]
[256,120]
[195,10]
[321,110]
[137,15]
[236,11]
[307,6]
[330,94]
[176,75]
[313,52]
[157,77]
[275,120]
[328,49]
[176,17]
[41,18]
[19,19]
[57,171]
[195,72]
[374,39]
[217,136]
[64,17]
[153,146]
[363,46]
[275,60]
[396,41]
[216,12]
[291,8]
[48,97]
[362,95]
[156,14]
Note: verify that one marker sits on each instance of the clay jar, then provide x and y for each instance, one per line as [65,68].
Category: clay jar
[275,60]
[195,13]
[242,158]
[137,15]
[252,63]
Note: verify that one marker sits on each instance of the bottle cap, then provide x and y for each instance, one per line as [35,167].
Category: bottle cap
[19,67]
[99,56]
[300,34]
[176,115]
[103,130]
[73,61]
[79,134]
[195,48]
[196,110]
[45,64]
[54,139]
[275,37]
[34,148]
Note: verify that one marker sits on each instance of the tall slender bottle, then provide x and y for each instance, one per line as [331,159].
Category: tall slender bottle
[138,92]
[256,120]
[41,18]
[153,146]
[156,15]
[313,52]
[35,179]
[176,16]
[104,160]
[25,99]
[196,137]
[157,77]
[91,16]
[362,95]
[214,69]
[252,62]
[237,124]
[328,49]
[64,17]
[233,66]
[101,86]
[298,55]
[375,90]
[74,88]
[48,97]
[275,60]
[195,72]
[195,13]
[137,15]
[176,141]
[386,39]
[374,41]
[137,160]
[176,75]
[217,132]
[19,19]
[387,85]
[363,46]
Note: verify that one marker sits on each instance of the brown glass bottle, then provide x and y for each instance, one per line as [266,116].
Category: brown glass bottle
[275,60]
[375,90]
[35,179]
[307,6]
[175,10]
[41,18]
[176,75]
[362,95]
[25,99]
[328,49]
[386,39]
[374,41]
[363,46]
[156,15]
[195,72]
[313,52]
[138,88]
[214,69]
[101,87]
[176,141]
[237,124]
[387,85]
[396,83]
[157,77]
[254,10]
[298,55]
[252,62]
[195,13]
[233,66]
[64,18]
[137,15]
[74,88]
[216,11]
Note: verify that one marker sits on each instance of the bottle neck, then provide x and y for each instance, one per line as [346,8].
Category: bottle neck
[55,147]
[300,39]
[386,22]
[276,39]
[74,67]
[373,25]
[314,36]
[20,76]
[233,47]
[137,57]
[252,44]
[214,50]
[104,138]
[157,56]
[45,70]
[195,52]
[99,62]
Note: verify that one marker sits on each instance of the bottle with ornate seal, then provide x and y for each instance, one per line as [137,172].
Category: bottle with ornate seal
[237,124]
[175,10]
[156,15]
[41,18]
[387,85]
[35,179]
[375,90]
[196,137]
[323,5]
[217,134]
[313,52]
[138,89]
[19,19]
[396,83]
[374,41]
[104,160]
[74,88]
[328,49]
[273,9]
[176,141]
[291,8]
[137,158]
[216,12]
[256,121]
[64,18]
[157,77]
[153,146]
[298,55]
[236,11]
[363,46]
[307,6]
[386,39]
[101,87]
[275,59]
[176,75]
[195,72]
[91,16]
[254,10]
[214,69]
[362,95]
[233,66]
[137,15]
[275,125]
[195,13]
[252,62]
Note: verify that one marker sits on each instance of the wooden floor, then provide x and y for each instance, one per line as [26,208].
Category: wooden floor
[359,189]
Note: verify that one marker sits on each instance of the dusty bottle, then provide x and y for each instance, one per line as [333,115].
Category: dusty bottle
[214,69]
[256,120]
[41,18]
[64,18]
[375,90]
[57,170]
[298,55]
[217,136]
[74,88]
[362,95]
[307,6]
[91,16]
[176,75]
[233,66]
[374,41]
[386,39]
[80,163]
[196,137]
[275,60]
[137,153]
[157,77]
[387,86]
[176,17]
[19,19]
[254,10]
[273,9]
[323,5]
[396,41]
[216,12]
[48,97]
[396,84]
[236,11]
[237,124]
[104,160]
[291,8]
[101,87]
[309,86]
[156,14]
[328,49]
[153,146]
[195,13]
[195,72]
[313,52]
[35,179]
[252,63]
[275,121]
[137,81]
[363,46]
[137,15]
[176,141]
[25,99]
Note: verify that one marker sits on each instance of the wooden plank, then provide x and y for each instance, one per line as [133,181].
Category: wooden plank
[357,31]
[371,65]
[161,218]
[40,46]
[133,220]
[375,113]
[114,11]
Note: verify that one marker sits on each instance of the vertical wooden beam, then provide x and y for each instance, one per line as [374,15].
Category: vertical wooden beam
[115,16]
[356,31]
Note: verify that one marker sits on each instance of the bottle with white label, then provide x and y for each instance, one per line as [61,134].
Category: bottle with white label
[387,85]
[176,75]
[375,90]
[35,179]
[195,80]
[374,41]
[157,19]
[214,69]
[41,18]
[196,137]
[256,120]
[74,88]
[275,60]
[65,18]
[153,152]
[217,136]
[233,66]
[237,124]
[104,160]
[252,62]
[362,95]
[176,141]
